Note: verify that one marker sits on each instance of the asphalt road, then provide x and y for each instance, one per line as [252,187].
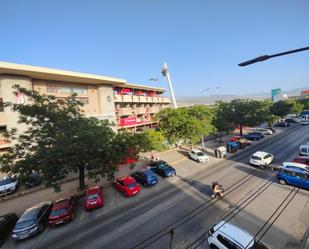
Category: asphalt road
[183,204]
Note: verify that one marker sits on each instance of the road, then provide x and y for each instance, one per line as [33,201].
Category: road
[183,204]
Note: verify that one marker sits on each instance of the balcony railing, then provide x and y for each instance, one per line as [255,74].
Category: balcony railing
[124,111]
[140,99]
[140,110]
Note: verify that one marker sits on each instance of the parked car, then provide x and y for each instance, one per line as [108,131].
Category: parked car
[127,186]
[94,198]
[296,176]
[264,131]
[271,128]
[33,180]
[226,235]
[291,121]
[293,165]
[145,177]
[62,211]
[254,136]
[32,221]
[8,185]
[302,160]
[198,156]
[261,158]
[304,150]
[162,168]
[304,122]
[240,138]
[7,223]
[282,124]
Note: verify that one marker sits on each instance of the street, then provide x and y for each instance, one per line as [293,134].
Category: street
[183,204]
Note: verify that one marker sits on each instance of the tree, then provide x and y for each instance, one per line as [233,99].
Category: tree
[186,124]
[154,140]
[243,112]
[220,121]
[59,139]
[281,108]
[296,106]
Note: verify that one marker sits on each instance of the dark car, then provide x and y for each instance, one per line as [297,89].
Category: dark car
[254,136]
[62,211]
[290,121]
[162,168]
[302,159]
[282,124]
[7,222]
[33,180]
[32,221]
[145,177]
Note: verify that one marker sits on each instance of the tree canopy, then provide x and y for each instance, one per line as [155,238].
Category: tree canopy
[186,124]
[59,139]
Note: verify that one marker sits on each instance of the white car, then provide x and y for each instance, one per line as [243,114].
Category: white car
[265,131]
[8,185]
[304,150]
[261,158]
[292,165]
[225,236]
[198,156]
[304,122]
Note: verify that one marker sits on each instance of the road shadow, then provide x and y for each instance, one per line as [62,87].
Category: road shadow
[204,189]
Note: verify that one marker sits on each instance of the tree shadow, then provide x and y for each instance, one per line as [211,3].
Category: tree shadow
[204,189]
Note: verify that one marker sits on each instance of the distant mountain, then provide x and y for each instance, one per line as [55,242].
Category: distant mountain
[211,99]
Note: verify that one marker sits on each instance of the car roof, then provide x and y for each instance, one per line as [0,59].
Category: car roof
[158,162]
[127,179]
[146,172]
[297,165]
[260,153]
[196,150]
[301,157]
[234,232]
[93,190]
[31,212]
[62,203]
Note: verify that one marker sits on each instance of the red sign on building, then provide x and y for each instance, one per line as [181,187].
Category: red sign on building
[305,92]
[128,121]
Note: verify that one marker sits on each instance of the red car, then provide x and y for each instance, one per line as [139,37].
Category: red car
[127,186]
[94,198]
[302,159]
[62,211]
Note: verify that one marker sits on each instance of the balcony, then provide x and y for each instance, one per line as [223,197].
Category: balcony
[153,110]
[140,110]
[126,98]
[124,111]
[165,100]
[135,98]
[118,98]
[143,99]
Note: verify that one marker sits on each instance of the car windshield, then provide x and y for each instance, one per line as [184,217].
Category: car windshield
[93,196]
[163,166]
[58,212]
[24,224]
[256,158]
[6,181]
[200,154]
[303,149]
[132,185]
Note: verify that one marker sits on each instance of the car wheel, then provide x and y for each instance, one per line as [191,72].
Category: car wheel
[282,182]
[41,228]
[212,246]
[198,160]
[123,193]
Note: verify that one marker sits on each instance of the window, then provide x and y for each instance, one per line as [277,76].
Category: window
[1,105]
[288,172]
[66,90]
[79,90]
[300,175]
[52,89]
[227,243]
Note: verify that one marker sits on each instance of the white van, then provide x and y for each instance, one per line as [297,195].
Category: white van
[304,150]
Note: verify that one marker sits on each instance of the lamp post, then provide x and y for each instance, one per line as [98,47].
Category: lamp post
[166,74]
[266,57]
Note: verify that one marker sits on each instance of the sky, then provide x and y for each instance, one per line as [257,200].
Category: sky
[202,41]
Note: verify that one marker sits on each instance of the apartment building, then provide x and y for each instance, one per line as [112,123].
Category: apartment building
[128,106]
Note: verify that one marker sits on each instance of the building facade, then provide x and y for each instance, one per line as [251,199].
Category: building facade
[128,106]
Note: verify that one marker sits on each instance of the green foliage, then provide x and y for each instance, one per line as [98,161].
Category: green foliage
[187,124]
[59,139]
[240,112]
[154,140]
[281,108]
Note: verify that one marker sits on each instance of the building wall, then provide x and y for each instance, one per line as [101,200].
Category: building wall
[6,91]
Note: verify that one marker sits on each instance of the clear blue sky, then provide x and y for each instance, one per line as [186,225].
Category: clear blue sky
[202,41]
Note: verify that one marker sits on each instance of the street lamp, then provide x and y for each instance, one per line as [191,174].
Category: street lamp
[266,57]
[166,74]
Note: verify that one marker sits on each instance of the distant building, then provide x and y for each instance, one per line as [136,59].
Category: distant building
[130,107]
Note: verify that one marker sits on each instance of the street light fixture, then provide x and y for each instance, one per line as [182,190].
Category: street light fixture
[266,57]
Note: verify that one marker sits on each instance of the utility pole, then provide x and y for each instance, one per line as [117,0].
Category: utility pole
[166,74]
